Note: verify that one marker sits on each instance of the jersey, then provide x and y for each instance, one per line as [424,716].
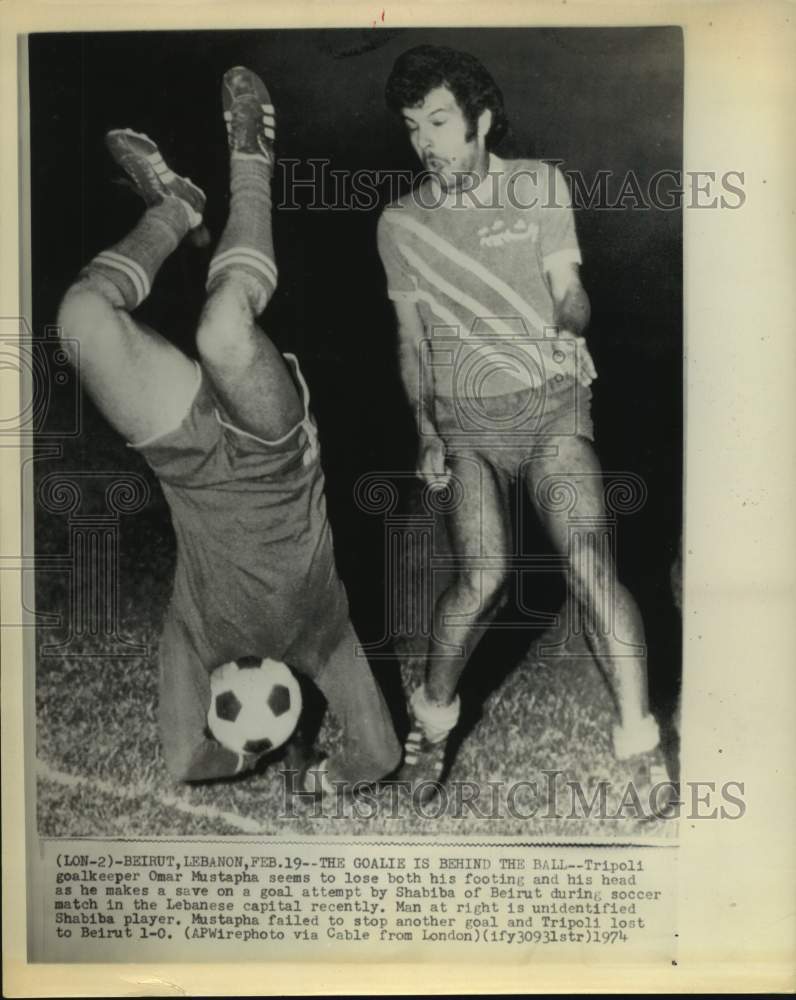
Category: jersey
[255,576]
[255,573]
[474,263]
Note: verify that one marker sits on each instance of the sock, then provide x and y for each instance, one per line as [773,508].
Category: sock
[640,737]
[246,246]
[436,720]
[127,270]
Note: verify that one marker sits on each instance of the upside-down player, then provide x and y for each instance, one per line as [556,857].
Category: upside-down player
[235,448]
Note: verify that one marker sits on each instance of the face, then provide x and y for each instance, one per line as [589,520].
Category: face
[438,132]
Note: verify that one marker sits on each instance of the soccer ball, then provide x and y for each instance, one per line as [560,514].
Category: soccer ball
[254,704]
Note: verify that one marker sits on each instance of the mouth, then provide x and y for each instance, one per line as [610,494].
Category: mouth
[433,163]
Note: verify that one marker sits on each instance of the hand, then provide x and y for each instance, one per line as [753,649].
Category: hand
[431,467]
[580,361]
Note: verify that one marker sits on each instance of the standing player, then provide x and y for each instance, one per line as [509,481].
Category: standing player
[482,265]
[235,449]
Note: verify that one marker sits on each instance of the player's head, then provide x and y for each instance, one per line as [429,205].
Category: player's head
[452,108]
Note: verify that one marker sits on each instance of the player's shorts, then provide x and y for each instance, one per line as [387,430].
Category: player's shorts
[206,451]
[255,575]
[507,430]
[255,570]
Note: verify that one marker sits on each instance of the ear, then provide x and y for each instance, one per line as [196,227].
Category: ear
[484,123]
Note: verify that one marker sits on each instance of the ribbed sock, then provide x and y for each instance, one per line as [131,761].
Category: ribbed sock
[640,737]
[436,720]
[129,267]
[246,246]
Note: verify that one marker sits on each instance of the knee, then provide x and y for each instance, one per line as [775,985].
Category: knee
[83,318]
[483,591]
[236,280]
[224,335]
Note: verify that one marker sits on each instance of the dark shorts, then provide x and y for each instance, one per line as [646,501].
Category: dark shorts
[507,430]
[255,575]
[255,570]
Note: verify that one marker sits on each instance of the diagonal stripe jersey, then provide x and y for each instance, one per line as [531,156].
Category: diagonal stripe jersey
[474,261]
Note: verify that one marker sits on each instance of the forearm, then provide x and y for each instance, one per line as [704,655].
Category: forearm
[418,381]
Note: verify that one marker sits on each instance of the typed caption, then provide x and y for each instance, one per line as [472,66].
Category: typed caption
[101,902]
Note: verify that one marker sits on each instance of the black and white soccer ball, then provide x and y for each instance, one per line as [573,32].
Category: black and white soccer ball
[254,704]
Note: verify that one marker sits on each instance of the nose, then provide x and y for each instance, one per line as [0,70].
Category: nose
[424,140]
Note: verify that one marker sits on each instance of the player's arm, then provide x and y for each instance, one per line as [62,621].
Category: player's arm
[418,380]
[572,312]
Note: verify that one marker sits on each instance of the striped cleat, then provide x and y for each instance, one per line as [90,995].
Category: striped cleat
[139,157]
[248,114]
[422,765]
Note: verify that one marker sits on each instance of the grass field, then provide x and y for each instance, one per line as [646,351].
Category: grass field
[100,771]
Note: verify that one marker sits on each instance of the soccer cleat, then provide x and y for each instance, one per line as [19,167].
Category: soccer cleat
[248,114]
[140,158]
[423,764]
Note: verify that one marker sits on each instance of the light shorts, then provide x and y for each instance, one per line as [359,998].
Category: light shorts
[507,430]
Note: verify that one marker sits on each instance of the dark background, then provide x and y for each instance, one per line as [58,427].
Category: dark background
[598,99]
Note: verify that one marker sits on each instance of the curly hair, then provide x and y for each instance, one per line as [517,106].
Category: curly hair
[419,70]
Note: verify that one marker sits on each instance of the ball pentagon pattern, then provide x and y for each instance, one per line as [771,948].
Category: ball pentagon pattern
[255,704]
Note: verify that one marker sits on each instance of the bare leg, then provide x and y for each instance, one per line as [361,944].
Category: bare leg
[479,530]
[248,372]
[479,527]
[140,382]
[615,630]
